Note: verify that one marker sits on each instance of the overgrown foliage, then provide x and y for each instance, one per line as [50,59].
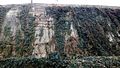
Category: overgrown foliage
[95,28]
[83,62]
[5,49]
[28,29]
[3,11]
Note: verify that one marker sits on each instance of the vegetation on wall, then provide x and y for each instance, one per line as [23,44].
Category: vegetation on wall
[5,42]
[7,34]
[63,21]
[28,29]
[3,11]
[93,27]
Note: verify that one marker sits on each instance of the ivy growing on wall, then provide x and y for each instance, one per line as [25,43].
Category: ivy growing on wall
[28,29]
[62,25]
[93,26]
[3,11]
[7,34]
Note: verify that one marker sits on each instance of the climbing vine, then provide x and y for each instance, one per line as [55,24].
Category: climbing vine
[28,29]
[92,25]
[3,11]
